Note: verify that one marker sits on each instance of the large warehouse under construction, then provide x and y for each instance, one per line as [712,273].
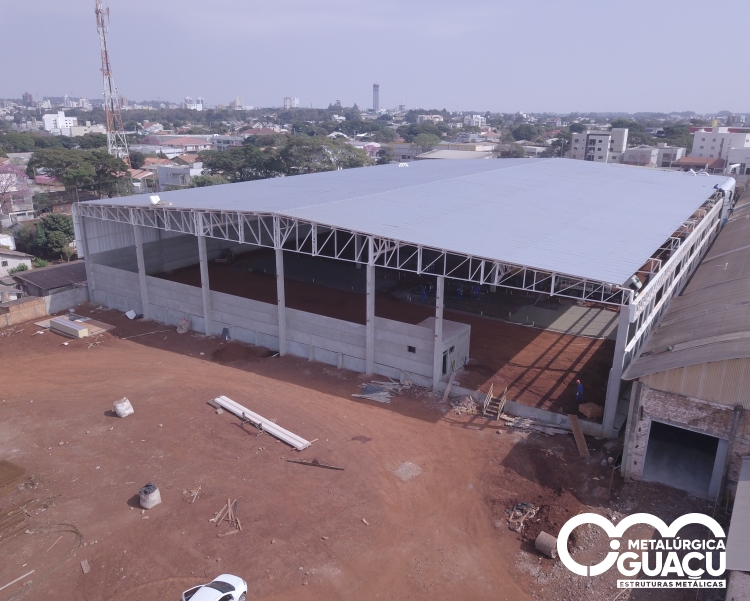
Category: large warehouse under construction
[614,240]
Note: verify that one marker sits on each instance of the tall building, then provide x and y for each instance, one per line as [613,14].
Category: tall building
[376,97]
[600,146]
[715,142]
[236,104]
[290,102]
[28,99]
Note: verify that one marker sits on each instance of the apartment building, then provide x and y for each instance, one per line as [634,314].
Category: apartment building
[600,146]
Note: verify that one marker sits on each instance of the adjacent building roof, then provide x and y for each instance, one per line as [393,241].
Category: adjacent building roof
[454,154]
[708,163]
[54,276]
[710,319]
[14,253]
[580,218]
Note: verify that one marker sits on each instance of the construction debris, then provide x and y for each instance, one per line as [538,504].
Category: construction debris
[85,566]
[229,513]
[519,514]
[315,463]
[263,423]
[526,424]
[466,405]
[66,327]
[16,580]
[183,326]
[583,449]
[382,392]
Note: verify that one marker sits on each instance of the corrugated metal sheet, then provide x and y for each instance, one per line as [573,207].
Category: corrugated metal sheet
[710,321]
[738,539]
[721,382]
[579,218]
[111,235]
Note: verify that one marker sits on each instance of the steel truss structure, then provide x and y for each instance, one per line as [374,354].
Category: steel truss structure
[318,240]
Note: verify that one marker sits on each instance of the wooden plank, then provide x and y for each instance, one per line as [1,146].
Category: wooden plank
[575,425]
[450,385]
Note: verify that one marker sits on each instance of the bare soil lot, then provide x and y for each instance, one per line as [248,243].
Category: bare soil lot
[538,367]
[439,535]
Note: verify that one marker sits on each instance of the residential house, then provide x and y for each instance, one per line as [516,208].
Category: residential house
[433,118]
[404,151]
[706,164]
[143,181]
[475,121]
[661,155]
[53,279]
[188,144]
[12,259]
[222,143]
[172,177]
[157,149]
[600,146]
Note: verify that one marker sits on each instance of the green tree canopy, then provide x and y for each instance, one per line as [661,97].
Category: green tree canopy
[524,131]
[54,232]
[242,163]
[426,142]
[137,159]
[302,154]
[207,180]
[77,169]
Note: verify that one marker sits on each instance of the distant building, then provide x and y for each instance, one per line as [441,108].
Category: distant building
[193,106]
[433,118]
[338,118]
[58,121]
[236,104]
[188,144]
[475,121]
[376,97]
[291,103]
[653,156]
[715,142]
[172,177]
[600,146]
[221,143]
[738,161]
[28,99]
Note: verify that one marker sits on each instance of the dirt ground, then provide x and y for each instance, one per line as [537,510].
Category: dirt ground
[441,535]
[538,367]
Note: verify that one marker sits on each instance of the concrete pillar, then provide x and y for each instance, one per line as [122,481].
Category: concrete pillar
[370,311]
[205,288]
[138,233]
[357,248]
[281,300]
[87,261]
[437,358]
[615,374]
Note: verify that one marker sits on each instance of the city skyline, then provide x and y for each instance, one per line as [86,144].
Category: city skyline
[578,60]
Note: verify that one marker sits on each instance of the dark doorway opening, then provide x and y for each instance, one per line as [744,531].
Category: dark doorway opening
[681,458]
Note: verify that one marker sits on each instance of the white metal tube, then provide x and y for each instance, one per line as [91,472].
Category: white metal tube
[281,300]
[138,234]
[370,311]
[205,288]
[437,359]
[615,374]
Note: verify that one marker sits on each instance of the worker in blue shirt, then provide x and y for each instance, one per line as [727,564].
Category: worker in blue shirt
[579,391]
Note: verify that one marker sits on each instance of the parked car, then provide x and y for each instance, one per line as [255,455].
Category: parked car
[224,588]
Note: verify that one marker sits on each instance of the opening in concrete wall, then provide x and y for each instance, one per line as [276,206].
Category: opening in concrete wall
[684,459]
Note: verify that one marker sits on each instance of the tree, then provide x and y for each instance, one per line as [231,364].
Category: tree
[202,181]
[425,142]
[385,155]
[302,154]
[514,151]
[577,128]
[524,131]
[13,186]
[54,233]
[242,163]
[137,159]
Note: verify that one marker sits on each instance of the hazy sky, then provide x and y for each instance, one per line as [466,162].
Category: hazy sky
[530,55]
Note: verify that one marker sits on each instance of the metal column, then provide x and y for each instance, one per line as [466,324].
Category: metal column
[370,310]
[281,299]
[87,261]
[615,374]
[141,270]
[437,359]
[357,249]
[205,289]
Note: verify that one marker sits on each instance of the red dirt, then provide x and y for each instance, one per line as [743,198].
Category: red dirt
[538,367]
[437,536]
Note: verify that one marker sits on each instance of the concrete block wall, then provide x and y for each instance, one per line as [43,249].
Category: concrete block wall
[62,301]
[687,412]
[314,337]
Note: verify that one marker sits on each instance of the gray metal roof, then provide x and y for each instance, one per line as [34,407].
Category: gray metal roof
[710,320]
[591,220]
[54,276]
[738,539]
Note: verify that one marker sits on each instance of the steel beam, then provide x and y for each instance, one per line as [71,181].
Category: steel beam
[437,357]
[205,288]
[281,300]
[370,311]
[138,235]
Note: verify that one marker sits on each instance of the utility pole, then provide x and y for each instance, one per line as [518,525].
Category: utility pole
[117,143]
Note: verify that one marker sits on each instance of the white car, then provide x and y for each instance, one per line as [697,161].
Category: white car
[224,588]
